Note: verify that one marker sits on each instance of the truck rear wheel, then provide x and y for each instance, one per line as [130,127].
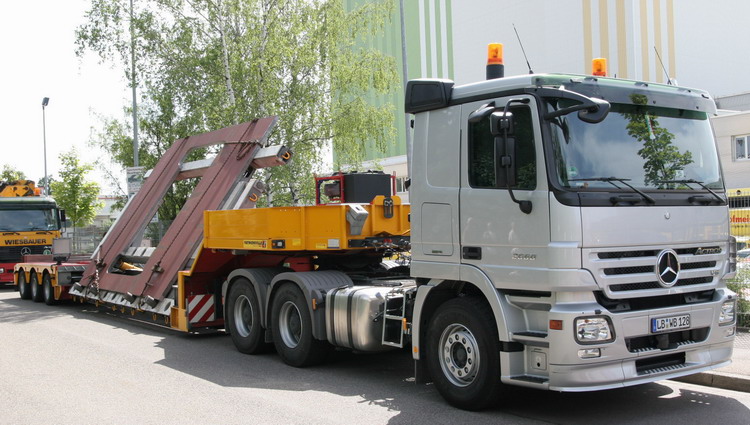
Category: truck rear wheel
[463,353]
[24,288]
[36,289]
[48,292]
[243,319]
[292,329]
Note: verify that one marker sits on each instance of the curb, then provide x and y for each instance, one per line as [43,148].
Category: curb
[726,381]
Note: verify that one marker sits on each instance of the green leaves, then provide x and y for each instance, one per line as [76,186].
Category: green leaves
[9,174]
[74,193]
[663,160]
[207,64]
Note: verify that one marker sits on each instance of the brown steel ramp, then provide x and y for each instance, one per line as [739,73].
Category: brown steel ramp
[240,145]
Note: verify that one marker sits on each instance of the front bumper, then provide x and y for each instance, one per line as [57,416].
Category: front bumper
[6,276]
[636,356]
[622,373]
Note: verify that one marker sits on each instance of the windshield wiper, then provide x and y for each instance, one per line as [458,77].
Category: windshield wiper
[688,181]
[612,180]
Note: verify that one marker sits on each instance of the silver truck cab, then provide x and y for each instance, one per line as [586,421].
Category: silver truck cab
[582,220]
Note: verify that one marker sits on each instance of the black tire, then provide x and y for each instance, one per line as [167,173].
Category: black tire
[36,289]
[48,292]
[24,288]
[463,353]
[243,318]
[292,329]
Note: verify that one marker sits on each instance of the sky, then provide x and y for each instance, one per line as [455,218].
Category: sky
[39,61]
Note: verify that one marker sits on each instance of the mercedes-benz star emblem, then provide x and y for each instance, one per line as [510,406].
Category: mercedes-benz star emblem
[667,268]
[26,251]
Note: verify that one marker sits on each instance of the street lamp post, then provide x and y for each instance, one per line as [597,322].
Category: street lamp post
[45,102]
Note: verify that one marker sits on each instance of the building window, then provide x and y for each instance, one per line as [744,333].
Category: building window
[741,148]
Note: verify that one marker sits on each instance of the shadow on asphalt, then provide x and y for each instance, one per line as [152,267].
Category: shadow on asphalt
[386,380]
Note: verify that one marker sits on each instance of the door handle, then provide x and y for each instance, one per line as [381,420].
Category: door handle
[472,253]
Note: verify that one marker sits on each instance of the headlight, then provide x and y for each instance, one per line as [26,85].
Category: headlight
[726,316]
[593,330]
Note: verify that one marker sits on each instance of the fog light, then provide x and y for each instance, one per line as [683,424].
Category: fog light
[726,316]
[590,353]
[729,331]
[2,270]
[592,330]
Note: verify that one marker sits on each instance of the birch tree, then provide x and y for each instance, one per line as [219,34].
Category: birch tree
[206,64]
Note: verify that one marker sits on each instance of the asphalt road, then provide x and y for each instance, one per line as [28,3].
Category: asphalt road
[71,364]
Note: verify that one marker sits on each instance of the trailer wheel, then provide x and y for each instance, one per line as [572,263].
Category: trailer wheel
[48,292]
[243,320]
[463,354]
[24,288]
[292,329]
[36,289]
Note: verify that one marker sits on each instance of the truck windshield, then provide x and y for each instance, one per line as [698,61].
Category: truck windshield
[24,220]
[652,148]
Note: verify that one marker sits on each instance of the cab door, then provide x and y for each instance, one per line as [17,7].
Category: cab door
[505,243]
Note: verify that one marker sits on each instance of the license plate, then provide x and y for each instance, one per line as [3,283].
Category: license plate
[663,324]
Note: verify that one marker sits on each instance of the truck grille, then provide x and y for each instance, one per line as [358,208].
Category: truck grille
[632,273]
[12,254]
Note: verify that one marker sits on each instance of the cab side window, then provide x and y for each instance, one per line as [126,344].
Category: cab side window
[483,157]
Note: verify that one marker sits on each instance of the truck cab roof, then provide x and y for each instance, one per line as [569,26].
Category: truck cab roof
[430,94]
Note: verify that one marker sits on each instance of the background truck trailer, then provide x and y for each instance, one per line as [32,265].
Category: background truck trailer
[29,222]
[566,233]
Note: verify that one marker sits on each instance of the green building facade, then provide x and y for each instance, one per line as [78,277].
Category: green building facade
[429,54]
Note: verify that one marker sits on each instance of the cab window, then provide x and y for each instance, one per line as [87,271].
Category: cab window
[483,157]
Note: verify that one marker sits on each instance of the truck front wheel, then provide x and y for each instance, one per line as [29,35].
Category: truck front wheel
[292,329]
[463,354]
[24,288]
[36,289]
[243,319]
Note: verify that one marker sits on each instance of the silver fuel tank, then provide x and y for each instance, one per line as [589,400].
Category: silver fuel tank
[354,316]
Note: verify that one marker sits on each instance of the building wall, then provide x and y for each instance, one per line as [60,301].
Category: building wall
[726,127]
[697,40]
[429,53]
[736,102]
[699,43]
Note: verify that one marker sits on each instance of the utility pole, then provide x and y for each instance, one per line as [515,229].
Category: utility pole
[45,102]
[407,121]
[133,82]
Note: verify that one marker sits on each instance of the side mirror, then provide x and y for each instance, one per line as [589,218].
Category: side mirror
[501,126]
[505,166]
[62,218]
[501,123]
[596,113]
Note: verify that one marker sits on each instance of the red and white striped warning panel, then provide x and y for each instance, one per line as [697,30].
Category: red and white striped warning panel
[201,308]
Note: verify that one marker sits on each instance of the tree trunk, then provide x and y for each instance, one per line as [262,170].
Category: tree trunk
[225,57]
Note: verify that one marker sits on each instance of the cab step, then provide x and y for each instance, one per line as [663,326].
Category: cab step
[533,338]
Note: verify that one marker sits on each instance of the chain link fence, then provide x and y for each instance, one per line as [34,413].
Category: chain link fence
[739,215]
[86,239]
